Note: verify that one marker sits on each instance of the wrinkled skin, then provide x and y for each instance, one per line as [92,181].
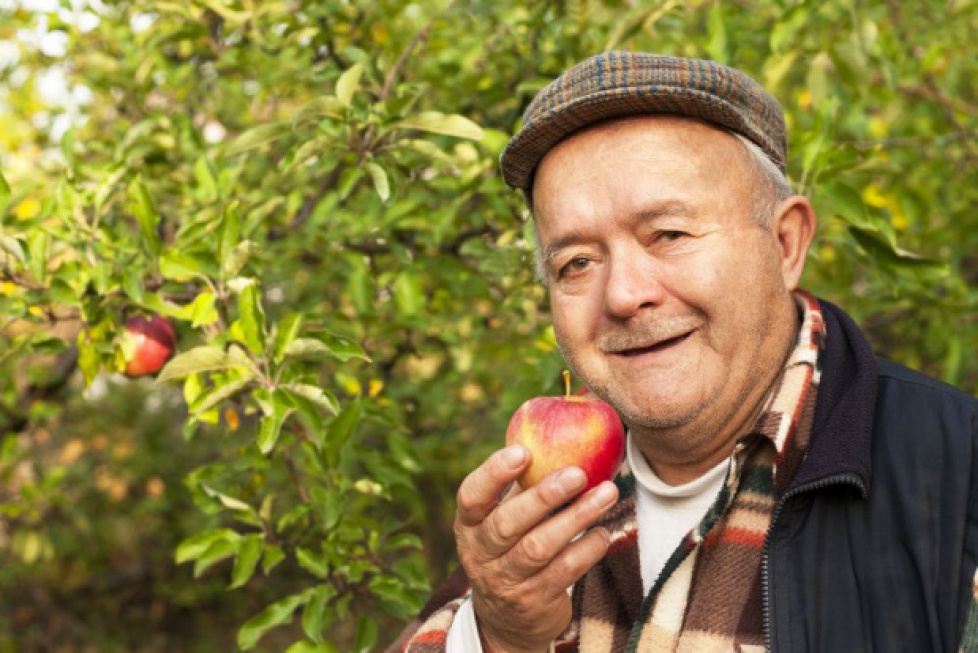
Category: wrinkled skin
[673,303]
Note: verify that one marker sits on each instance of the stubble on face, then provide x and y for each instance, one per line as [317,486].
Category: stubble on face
[622,337]
[687,430]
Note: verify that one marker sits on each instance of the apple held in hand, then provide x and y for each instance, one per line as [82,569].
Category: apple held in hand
[576,430]
[146,345]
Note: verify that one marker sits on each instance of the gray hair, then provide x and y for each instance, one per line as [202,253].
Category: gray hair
[774,188]
[774,185]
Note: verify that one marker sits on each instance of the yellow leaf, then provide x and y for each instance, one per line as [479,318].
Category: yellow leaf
[232,419]
[376,386]
[72,451]
[27,208]
[804,100]
[874,196]
[380,33]
[155,487]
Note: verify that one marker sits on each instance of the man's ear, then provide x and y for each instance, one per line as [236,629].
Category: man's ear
[794,226]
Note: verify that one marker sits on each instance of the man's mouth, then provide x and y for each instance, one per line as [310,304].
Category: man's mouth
[657,347]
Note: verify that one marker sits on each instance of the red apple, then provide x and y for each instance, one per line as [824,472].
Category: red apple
[147,344]
[576,430]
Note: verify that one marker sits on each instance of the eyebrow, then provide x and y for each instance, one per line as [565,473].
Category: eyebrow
[668,209]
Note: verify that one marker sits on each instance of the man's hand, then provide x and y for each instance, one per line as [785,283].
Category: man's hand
[521,556]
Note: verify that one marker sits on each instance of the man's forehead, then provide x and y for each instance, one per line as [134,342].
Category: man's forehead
[689,131]
[681,145]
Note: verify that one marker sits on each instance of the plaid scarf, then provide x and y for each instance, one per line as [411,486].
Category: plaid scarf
[708,595]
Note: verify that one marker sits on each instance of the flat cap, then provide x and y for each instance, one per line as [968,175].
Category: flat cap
[622,84]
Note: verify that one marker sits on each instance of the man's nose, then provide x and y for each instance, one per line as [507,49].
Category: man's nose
[632,284]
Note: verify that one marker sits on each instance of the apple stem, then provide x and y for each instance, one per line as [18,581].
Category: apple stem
[567,383]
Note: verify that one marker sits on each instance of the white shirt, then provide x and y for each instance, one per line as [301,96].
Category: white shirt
[665,514]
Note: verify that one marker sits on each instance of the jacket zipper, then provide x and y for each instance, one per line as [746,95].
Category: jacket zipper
[839,479]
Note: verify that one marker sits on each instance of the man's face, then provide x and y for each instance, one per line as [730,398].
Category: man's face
[668,298]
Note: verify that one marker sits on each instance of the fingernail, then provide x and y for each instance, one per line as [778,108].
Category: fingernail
[514,456]
[603,495]
[571,480]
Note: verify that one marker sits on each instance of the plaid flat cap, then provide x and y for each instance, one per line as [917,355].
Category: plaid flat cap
[621,84]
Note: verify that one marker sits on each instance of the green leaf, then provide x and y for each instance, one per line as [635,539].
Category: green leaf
[274,615]
[228,232]
[847,202]
[874,244]
[232,16]
[4,193]
[366,634]
[717,46]
[332,508]
[195,545]
[258,136]
[277,410]
[222,392]
[238,257]
[348,180]
[204,359]
[132,284]
[787,27]
[285,332]
[272,555]
[408,295]
[315,616]
[89,361]
[178,266]
[217,552]
[381,182]
[324,343]
[360,286]
[202,310]
[306,348]
[322,107]
[342,347]
[340,431]
[107,186]
[316,395]
[249,552]
[228,502]
[252,318]
[141,205]
[436,122]
[206,178]
[348,84]
[313,562]
[311,647]
[37,247]
[11,246]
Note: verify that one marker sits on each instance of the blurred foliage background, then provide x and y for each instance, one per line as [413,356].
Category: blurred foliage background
[308,191]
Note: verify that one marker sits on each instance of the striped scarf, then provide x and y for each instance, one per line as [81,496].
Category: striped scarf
[708,595]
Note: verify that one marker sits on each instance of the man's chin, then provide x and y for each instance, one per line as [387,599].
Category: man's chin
[657,421]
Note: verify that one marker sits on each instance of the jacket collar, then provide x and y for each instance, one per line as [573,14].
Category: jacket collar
[841,439]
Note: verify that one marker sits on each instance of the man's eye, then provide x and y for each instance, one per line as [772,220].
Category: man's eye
[574,265]
[670,236]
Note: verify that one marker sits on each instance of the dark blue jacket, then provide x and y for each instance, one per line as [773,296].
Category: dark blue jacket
[874,545]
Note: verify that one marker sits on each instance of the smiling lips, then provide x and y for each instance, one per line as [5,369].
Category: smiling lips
[655,347]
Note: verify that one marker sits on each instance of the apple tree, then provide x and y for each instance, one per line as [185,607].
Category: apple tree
[307,192]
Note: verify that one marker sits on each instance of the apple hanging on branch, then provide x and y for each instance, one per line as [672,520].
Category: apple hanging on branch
[578,430]
[147,344]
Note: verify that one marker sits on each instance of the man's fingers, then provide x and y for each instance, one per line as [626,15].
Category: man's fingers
[480,491]
[545,544]
[576,559]
[514,518]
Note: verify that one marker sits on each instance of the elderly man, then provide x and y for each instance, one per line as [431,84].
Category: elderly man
[783,488]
